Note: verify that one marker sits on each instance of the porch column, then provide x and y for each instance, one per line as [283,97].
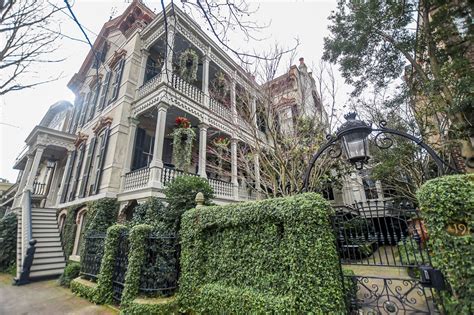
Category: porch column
[202,150]
[253,108]
[142,70]
[132,130]
[64,179]
[34,168]
[257,175]
[233,105]
[205,79]
[235,179]
[156,164]
[168,64]
[23,179]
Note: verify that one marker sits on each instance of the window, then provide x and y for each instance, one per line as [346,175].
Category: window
[101,151]
[87,168]
[77,173]
[85,107]
[143,150]
[328,193]
[81,224]
[95,90]
[369,188]
[117,77]
[104,91]
[77,113]
[152,68]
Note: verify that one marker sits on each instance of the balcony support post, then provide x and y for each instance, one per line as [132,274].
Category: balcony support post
[133,122]
[202,150]
[142,70]
[257,175]
[24,178]
[34,168]
[205,78]
[233,105]
[253,105]
[156,165]
[235,179]
[167,69]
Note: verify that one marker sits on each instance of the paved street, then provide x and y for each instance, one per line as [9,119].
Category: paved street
[44,298]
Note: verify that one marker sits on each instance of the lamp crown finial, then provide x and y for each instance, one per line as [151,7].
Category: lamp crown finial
[350,116]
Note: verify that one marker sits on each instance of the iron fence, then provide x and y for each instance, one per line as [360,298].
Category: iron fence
[92,255]
[120,267]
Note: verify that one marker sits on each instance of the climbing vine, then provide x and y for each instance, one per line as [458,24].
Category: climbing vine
[183,137]
[188,65]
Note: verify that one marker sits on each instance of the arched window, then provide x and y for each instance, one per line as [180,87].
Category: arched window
[81,224]
[62,221]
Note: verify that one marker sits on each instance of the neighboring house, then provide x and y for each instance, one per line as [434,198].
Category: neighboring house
[115,140]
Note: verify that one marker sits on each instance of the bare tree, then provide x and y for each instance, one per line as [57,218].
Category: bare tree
[28,34]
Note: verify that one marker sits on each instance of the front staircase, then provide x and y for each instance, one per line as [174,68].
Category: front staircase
[49,259]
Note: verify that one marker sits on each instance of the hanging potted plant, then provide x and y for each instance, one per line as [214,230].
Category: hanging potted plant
[188,65]
[183,137]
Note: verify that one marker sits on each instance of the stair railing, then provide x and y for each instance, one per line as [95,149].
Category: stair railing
[27,242]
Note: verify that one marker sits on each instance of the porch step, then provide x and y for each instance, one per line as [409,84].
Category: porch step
[40,244]
[34,275]
[42,239]
[43,213]
[48,254]
[46,229]
[37,234]
[37,261]
[43,267]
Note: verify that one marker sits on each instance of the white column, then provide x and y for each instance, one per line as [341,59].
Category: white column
[235,179]
[23,179]
[257,175]
[233,105]
[205,80]
[141,72]
[202,149]
[34,168]
[156,164]
[253,108]
[64,179]
[132,130]
[167,69]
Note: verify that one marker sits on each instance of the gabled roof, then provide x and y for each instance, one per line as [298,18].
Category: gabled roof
[53,110]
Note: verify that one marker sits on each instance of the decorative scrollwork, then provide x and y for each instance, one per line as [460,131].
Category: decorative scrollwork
[382,140]
[335,151]
[383,124]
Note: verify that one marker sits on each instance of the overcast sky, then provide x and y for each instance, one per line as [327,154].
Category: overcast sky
[21,111]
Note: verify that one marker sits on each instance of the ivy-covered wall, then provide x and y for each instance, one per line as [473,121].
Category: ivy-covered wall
[69,231]
[445,202]
[272,256]
[8,235]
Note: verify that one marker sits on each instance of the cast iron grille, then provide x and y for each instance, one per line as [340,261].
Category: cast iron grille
[120,266]
[159,274]
[92,255]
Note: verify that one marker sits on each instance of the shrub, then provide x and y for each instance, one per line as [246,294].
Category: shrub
[104,282]
[8,234]
[136,258]
[444,201]
[279,255]
[69,231]
[154,213]
[350,287]
[154,306]
[181,195]
[71,272]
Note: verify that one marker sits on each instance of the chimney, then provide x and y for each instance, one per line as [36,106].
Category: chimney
[301,61]
[302,67]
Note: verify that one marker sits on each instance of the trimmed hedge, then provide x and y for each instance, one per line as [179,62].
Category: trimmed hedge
[276,255]
[69,232]
[72,271]
[446,200]
[8,234]
[136,258]
[152,212]
[154,306]
[104,282]
[84,288]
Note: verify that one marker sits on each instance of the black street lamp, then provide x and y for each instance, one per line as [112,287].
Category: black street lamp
[352,139]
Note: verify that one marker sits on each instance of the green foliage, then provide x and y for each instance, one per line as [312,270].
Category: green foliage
[188,65]
[183,139]
[155,306]
[8,234]
[154,213]
[101,214]
[69,231]
[276,254]
[181,194]
[84,288]
[444,201]
[70,273]
[136,258]
[350,286]
[104,283]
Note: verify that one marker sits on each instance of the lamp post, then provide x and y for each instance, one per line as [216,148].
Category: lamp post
[352,140]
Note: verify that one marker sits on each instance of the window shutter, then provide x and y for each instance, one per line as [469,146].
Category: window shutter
[77,113]
[105,88]
[87,169]
[77,173]
[94,100]
[68,176]
[100,163]
[84,110]
[138,149]
[117,80]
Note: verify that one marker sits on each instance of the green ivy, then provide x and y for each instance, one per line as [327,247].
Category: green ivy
[152,212]
[8,234]
[69,231]
[444,201]
[101,214]
[104,282]
[84,288]
[154,306]
[136,259]
[183,139]
[279,254]
[181,194]
[71,272]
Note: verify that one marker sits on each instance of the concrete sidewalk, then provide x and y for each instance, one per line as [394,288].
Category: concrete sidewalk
[44,298]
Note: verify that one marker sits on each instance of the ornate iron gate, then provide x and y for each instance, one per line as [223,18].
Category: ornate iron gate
[385,247]
[120,267]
